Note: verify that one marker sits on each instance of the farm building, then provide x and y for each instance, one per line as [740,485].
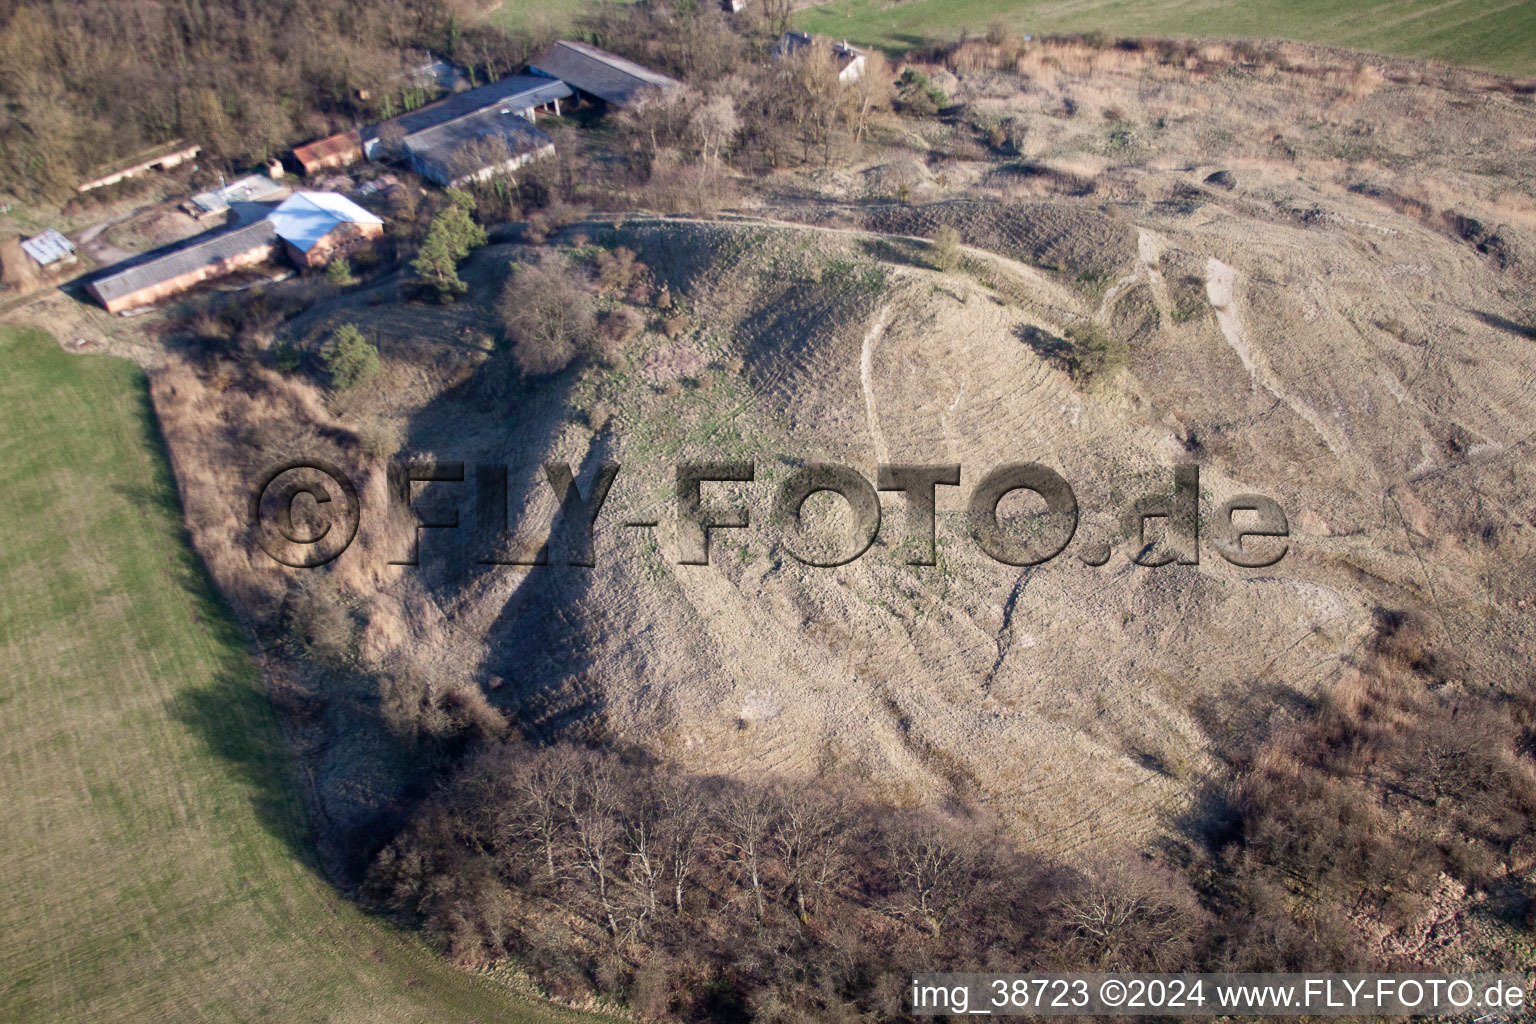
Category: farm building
[330,152]
[311,227]
[161,158]
[523,95]
[247,190]
[49,248]
[850,61]
[475,146]
[316,227]
[599,74]
[154,279]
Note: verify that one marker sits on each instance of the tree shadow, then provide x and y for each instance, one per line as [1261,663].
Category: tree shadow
[1045,344]
[1506,324]
[234,718]
[230,712]
[898,251]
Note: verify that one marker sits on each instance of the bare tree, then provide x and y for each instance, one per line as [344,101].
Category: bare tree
[868,95]
[645,847]
[545,788]
[746,818]
[1129,915]
[548,315]
[596,838]
[808,87]
[932,864]
[686,823]
[657,122]
[777,13]
[807,835]
[715,124]
[392,140]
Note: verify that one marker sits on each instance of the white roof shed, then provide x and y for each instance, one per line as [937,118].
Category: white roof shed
[49,247]
[304,218]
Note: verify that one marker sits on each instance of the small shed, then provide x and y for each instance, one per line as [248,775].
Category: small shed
[247,190]
[49,248]
[850,61]
[330,152]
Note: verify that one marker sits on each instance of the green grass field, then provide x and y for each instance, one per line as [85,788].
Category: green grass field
[1499,35]
[153,856]
[558,15]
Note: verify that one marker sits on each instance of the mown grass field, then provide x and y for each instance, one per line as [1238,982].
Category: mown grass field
[153,857]
[1498,35]
[557,15]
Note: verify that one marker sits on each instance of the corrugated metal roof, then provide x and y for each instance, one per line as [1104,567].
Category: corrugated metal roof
[48,247]
[332,145]
[248,189]
[440,146]
[518,91]
[199,254]
[599,73]
[306,217]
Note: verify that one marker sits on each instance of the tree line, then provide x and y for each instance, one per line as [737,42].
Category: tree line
[84,82]
[699,898]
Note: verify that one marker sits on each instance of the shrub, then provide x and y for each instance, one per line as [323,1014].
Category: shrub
[918,95]
[349,357]
[618,271]
[615,331]
[380,441]
[946,248]
[548,317]
[285,358]
[339,272]
[673,326]
[1096,355]
[324,625]
[599,415]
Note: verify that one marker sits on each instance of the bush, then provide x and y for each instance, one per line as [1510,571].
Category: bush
[946,248]
[380,441]
[323,624]
[349,357]
[599,416]
[616,330]
[918,95]
[285,358]
[618,271]
[1095,355]
[548,317]
[339,272]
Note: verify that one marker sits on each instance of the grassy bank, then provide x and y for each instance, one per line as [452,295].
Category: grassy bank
[154,853]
